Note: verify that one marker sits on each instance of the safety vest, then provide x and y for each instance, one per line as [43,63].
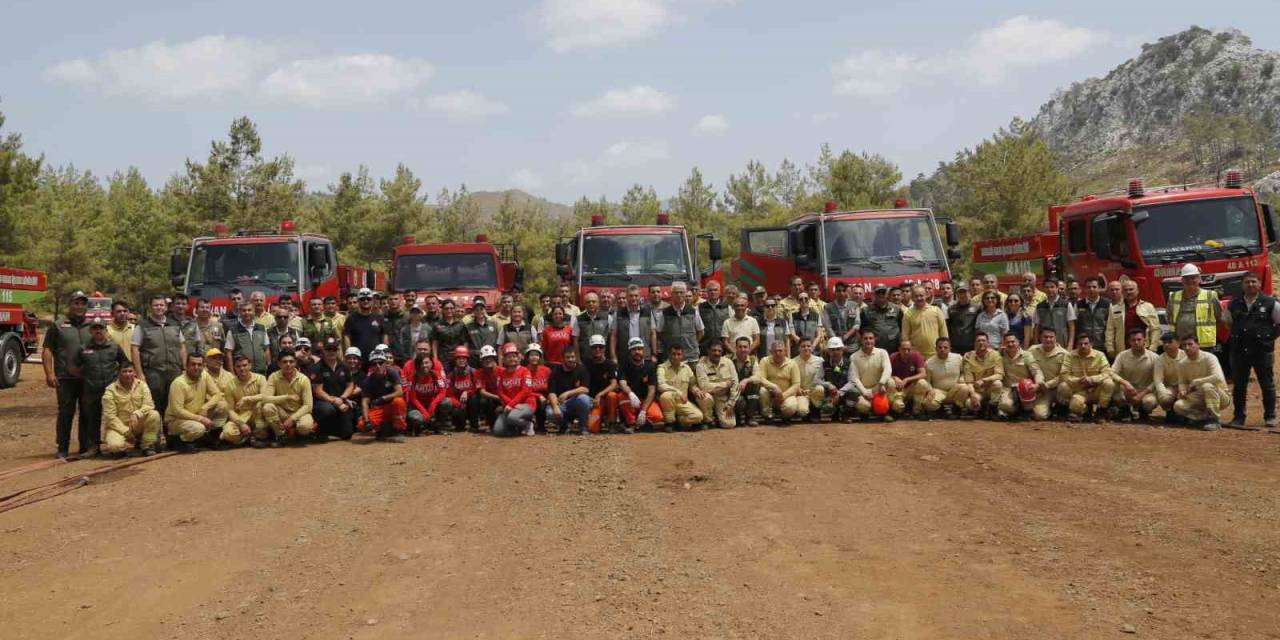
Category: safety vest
[1251,326]
[249,343]
[1054,314]
[840,317]
[769,336]
[161,347]
[679,327]
[886,323]
[73,333]
[589,326]
[962,327]
[806,327]
[622,324]
[713,317]
[1093,323]
[100,364]
[1206,324]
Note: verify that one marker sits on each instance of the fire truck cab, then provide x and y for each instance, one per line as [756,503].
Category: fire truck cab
[457,271]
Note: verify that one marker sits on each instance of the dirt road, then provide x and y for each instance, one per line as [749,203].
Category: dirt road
[909,530]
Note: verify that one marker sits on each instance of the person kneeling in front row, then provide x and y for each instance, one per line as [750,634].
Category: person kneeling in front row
[195,405]
[129,417]
[382,402]
[779,380]
[681,396]
[1089,380]
[1203,393]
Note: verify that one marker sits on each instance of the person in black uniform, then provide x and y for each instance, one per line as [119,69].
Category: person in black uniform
[1254,317]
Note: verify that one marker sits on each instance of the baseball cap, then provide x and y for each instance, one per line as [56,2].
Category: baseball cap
[415,309]
[479,301]
[487,351]
[330,343]
[960,286]
[597,340]
[97,321]
[353,351]
[79,295]
[365,292]
[835,343]
[635,343]
[213,352]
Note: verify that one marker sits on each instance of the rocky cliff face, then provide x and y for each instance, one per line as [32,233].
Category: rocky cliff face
[1142,101]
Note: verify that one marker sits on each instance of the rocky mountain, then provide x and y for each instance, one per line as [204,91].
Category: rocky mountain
[1141,102]
[490,201]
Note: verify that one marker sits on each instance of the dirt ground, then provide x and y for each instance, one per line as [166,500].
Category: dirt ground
[907,530]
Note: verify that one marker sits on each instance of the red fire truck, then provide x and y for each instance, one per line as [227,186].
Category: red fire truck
[457,271]
[303,265]
[871,247]
[1146,234]
[612,257]
[18,327]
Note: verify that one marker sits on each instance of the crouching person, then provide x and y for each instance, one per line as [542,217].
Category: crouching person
[812,386]
[948,393]
[1050,356]
[1089,380]
[425,394]
[129,417]
[333,385]
[287,406]
[570,397]
[515,395]
[676,383]
[1165,375]
[1023,381]
[907,382]
[718,378]
[382,402]
[638,378]
[871,373]
[1134,370]
[1203,393]
[835,375]
[195,405]
[984,372]
[243,395]
[779,380]
[747,406]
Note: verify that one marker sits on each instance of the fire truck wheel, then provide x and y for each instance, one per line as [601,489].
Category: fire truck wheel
[10,362]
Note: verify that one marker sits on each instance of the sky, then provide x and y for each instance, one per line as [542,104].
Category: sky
[561,98]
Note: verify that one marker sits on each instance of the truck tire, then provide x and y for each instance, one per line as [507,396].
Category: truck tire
[10,362]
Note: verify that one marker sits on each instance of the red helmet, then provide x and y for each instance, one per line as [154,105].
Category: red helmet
[461,351]
[510,347]
[1027,390]
[880,403]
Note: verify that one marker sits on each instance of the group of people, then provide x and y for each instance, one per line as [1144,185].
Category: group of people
[266,375]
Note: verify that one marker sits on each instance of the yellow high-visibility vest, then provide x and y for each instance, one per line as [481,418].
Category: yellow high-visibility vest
[1206,316]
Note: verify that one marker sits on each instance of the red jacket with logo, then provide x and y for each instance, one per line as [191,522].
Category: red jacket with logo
[513,386]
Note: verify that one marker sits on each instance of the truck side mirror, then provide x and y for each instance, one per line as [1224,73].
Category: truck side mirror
[714,250]
[317,262]
[562,253]
[953,236]
[178,267]
[519,278]
[953,254]
[564,270]
[370,279]
[1269,221]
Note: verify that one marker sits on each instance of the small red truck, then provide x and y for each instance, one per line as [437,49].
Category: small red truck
[870,247]
[1146,234]
[612,257]
[457,271]
[18,326]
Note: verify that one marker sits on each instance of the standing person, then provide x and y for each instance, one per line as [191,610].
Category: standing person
[120,329]
[602,375]
[1134,370]
[178,315]
[287,407]
[209,331]
[129,418]
[98,363]
[1194,311]
[518,331]
[591,322]
[680,397]
[633,320]
[1023,380]
[778,378]
[1253,317]
[406,340]
[481,332]
[450,334]
[945,297]
[364,328]
[539,321]
[759,299]
[1021,324]
[1093,311]
[718,379]
[713,312]
[1202,394]
[1089,380]
[261,314]
[514,406]
[395,317]
[1071,290]
[992,320]
[566,298]
[557,337]
[923,323]
[884,319]
[962,321]
[334,391]
[871,373]
[806,324]
[991,285]
[382,402]
[1050,357]
[896,298]
[747,407]
[656,301]
[1165,375]
[333,315]
[638,379]
[774,328]
[984,372]
[1132,313]
[195,405]
[503,315]
[741,325]
[791,303]
[433,314]
[243,398]
[62,342]
[907,378]
[281,329]
[1115,294]
[1033,297]
[816,302]
[608,305]
[159,354]
[230,314]
[316,327]
[840,317]
[249,339]
[680,323]
[944,372]
[1057,312]
[570,399]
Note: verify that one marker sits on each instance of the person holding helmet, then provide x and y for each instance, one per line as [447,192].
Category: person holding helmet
[1022,379]
[1134,370]
[718,379]
[871,376]
[1194,311]
[426,390]
[778,378]
[461,402]
[514,408]
[481,330]
[129,417]
[1203,393]
[680,395]
[945,374]
[539,379]
[984,373]
[1089,381]
[382,405]
[638,379]
[835,375]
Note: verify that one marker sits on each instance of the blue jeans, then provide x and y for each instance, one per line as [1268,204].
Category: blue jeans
[575,408]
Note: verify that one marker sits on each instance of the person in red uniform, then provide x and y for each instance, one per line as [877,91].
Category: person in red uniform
[426,389]
[460,391]
[487,399]
[383,402]
[539,384]
[515,407]
[557,336]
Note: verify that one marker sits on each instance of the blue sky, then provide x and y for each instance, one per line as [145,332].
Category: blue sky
[558,97]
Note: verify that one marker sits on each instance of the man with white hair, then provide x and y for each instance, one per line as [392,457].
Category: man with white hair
[680,324]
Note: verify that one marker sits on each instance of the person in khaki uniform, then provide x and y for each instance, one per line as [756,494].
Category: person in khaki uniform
[1018,365]
[779,379]
[129,417]
[1164,375]
[1089,380]
[984,372]
[287,406]
[225,382]
[811,379]
[195,404]
[1203,392]
[1049,356]
[676,382]
[945,374]
[718,378]
[1122,313]
[243,396]
[923,323]
[1134,370]
[871,371]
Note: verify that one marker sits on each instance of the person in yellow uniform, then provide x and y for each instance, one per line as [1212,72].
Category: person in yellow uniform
[120,330]
[1018,365]
[923,323]
[1134,370]
[676,383]
[1033,295]
[984,372]
[871,372]
[1203,393]
[1049,356]
[286,407]
[243,397]
[129,417]
[778,378]
[811,378]
[1164,375]
[718,378]
[944,372]
[1089,381]
[195,405]
[791,304]
[225,381]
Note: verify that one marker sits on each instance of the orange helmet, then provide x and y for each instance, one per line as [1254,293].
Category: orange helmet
[461,351]
[880,403]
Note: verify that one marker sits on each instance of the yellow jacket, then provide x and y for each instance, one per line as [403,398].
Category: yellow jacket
[786,375]
[677,381]
[293,395]
[1093,368]
[1117,341]
[989,368]
[238,390]
[1021,367]
[189,400]
[1165,374]
[119,403]
[1050,363]
[923,327]
[716,378]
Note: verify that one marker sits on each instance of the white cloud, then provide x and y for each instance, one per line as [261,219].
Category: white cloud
[991,57]
[589,24]
[337,81]
[634,100]
[206,67]
[465,106]
[625,154]
[711,125]
[526,179]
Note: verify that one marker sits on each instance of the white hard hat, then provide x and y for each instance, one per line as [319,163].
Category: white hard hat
[597,340]
[487,351]
[365,292]
[378,356]
[354,351]
[304,342]
[1189,269]
[635,343]
[533,346]
[835,343]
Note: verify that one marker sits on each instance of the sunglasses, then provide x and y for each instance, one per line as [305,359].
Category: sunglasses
[770,306]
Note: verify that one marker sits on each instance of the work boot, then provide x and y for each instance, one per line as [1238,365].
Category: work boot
[1238,423]
[627,429]
[182,447]
[1269,423]
[62,455]
[888,417]
[147,452]
[752,422]
[395,437]
[528,431]
[667,427]
[131,453]
[1211,424]
[88,454]
[257,444]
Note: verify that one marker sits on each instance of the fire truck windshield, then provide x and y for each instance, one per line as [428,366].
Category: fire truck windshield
[894,246]
[641,258]
[217,268]
[436,271]
[1199,228]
